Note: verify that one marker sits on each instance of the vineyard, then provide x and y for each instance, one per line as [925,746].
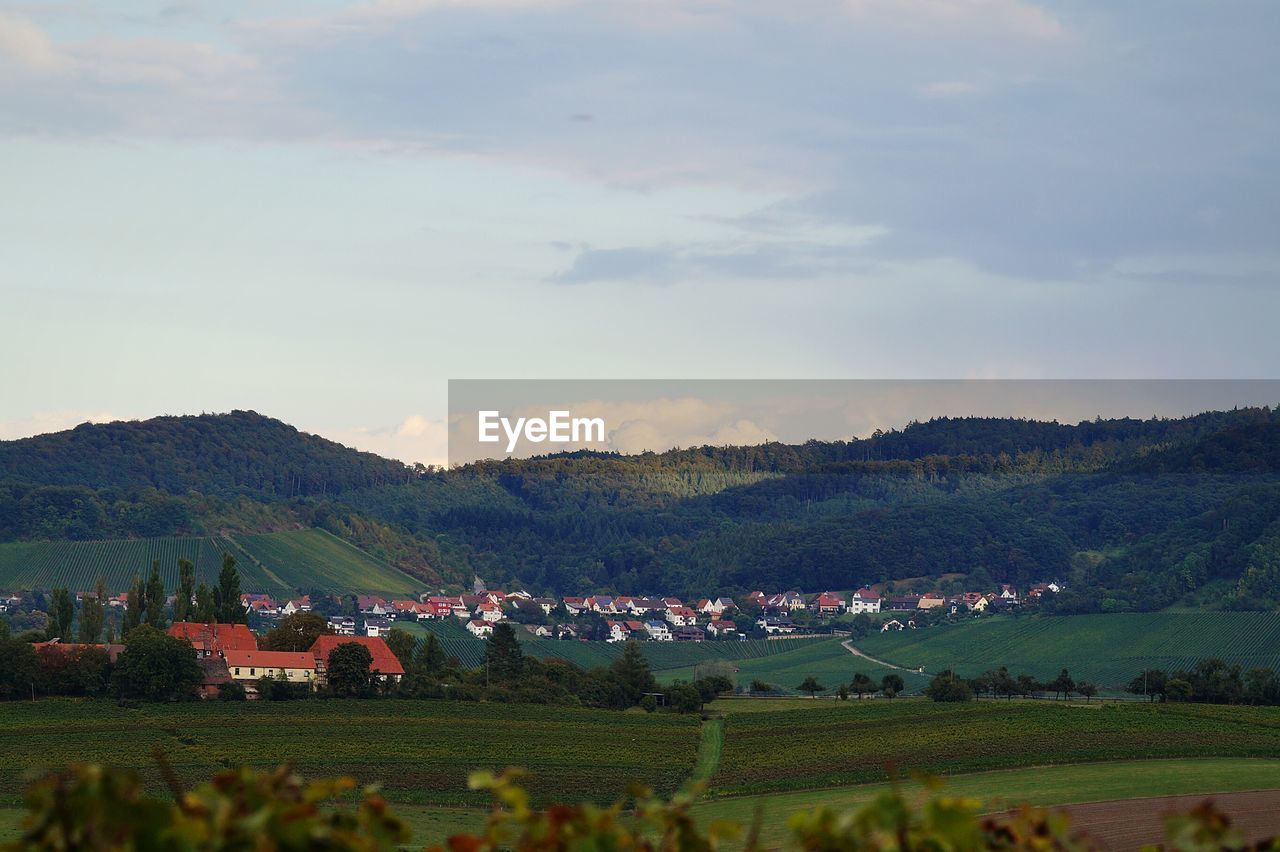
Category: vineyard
[419,751]
[852,743]
[1106,649]
[781,663]
[277,563]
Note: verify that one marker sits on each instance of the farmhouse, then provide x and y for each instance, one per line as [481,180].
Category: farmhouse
[385,665]
[721,628]
[214,639]
[480,628]
[291,666]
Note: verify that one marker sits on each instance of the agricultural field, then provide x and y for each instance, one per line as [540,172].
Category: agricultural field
[419,751]
[276,563]
[783,663]
[1041,785]
[1105,649]
[856,742]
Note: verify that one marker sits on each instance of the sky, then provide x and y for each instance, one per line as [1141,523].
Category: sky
[324,211]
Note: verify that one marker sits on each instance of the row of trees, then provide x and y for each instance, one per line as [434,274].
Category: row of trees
[1210,681]
[1001,683]
[147,604]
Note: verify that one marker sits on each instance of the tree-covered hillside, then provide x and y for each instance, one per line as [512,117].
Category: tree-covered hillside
[1132,515]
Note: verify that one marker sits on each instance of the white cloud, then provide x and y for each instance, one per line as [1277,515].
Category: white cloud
[414,439]
[50,421]
[26,49]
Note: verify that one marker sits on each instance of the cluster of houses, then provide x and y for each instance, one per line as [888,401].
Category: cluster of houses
[658,619]
[229,652]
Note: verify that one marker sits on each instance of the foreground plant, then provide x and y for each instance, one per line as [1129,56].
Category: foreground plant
[95,808]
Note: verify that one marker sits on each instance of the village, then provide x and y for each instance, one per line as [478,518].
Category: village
[624,618]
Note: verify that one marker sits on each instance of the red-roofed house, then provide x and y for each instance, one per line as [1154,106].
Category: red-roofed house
[722,627]
[290,666]
[827,603]
[385,663]
[72,649]
[864,600]
[480,628]
[681,616]
[214,639]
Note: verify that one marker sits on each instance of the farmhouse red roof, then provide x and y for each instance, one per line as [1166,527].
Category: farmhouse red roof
[384,661]
[271,659]
[217,638]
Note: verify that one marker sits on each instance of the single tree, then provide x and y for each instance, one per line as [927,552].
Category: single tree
[156,666]
[206,609]
[948,686]
[1178,689]
[92,612]
[296,632]
[1150,684]
[1088,690]
[226,598]
[811,686]
[891,685]
[349,670]
[429,658]
[862,684]
[182,604]
[503,658]
[402,644]
[62,612]
[135,606]
[632,673]
[1062,685]
[155,598]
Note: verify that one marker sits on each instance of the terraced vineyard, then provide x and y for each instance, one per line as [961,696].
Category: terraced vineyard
[277,563]
[419,751]
[852,742]
[1106,649]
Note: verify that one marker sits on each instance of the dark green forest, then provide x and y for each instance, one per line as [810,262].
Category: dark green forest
[1129,514]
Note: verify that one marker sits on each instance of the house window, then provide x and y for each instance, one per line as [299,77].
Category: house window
[251,672]
[237,670]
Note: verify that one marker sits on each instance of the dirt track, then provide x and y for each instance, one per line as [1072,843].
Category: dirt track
[1132,823]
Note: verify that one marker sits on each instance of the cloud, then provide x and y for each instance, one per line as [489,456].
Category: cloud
[416,438]
[51,421]
[26,49]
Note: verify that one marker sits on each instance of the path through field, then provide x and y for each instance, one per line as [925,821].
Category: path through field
[1133,823]
[852,649]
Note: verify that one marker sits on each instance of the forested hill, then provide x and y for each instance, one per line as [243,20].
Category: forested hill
[1132,514]
[215,454]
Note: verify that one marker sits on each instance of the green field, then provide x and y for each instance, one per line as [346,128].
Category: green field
[1105,649]
[1040,785]
[420,751]
[783,663]
[856,742]
[277,563]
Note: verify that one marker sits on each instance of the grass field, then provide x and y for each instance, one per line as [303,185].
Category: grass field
[276,563]
[1105,649]
[854,742]
[1041,785]
[420,751]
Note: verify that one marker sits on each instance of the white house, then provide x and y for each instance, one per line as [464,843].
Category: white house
[864,600]
[480,628]
[658,631]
